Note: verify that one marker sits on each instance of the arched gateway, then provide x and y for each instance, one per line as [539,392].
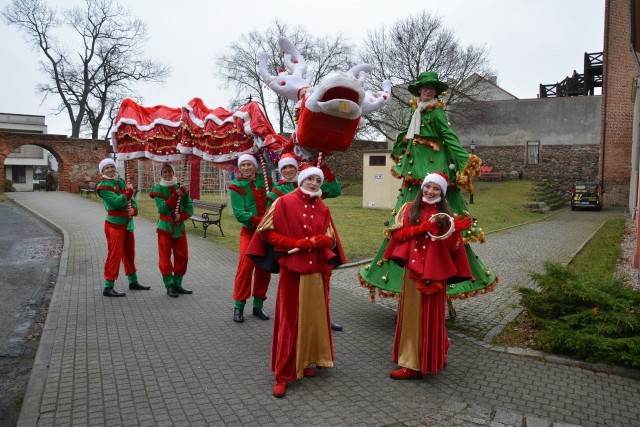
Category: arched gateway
[77,158]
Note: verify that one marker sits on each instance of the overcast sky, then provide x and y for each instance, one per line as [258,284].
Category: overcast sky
[530,41]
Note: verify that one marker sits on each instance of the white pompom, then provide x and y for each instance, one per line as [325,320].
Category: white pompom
[452,167]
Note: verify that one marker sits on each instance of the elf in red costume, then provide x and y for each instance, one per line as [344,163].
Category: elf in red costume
[121,207]
[298,232]
[288,168]
[172,236]
[432,252]
[249,203]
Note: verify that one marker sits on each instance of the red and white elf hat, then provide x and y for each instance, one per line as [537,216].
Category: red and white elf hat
[287,159]
[439,179]
[306,171]
[249,157]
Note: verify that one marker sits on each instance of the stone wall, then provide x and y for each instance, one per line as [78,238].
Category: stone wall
[560,165]
[348,165]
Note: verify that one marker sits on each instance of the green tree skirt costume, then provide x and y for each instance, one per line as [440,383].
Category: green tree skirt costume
[435,149]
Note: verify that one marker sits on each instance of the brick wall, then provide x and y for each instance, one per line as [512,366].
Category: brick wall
[619,70]
[77,158]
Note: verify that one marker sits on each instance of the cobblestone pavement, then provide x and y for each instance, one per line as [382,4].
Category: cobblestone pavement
[147,359]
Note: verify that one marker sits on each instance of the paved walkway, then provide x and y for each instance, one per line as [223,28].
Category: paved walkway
[152,360]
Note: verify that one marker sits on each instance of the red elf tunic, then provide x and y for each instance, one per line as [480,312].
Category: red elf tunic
[302,326]
[421,342]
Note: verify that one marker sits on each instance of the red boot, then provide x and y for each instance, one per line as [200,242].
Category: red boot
[309,372]
[280,390]
[405,374]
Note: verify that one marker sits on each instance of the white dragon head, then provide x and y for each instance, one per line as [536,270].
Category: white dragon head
[329,112]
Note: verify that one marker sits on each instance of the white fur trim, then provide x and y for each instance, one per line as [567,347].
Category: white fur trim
[104,163]
[306,173]
[249,157]
[287,161]
[436,179]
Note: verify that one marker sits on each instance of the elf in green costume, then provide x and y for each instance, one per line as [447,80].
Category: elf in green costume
[288,168]
[249,203]
[428,144]
[172,235]
[121,207]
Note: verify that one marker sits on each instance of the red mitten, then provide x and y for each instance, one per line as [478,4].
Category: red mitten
[462,223]
[305,244]
[171,200]
[426,227]
[255,220]
[322,241]
[279,240]
[184,190]
[128,192]
[406,233]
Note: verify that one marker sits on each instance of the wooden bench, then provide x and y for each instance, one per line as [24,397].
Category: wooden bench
[211,215]
[487,174]
[88,189]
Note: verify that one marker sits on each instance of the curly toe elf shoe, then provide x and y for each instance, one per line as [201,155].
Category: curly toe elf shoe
[181,290]
[280,390]
[135,286]
[405,374]
[310,373]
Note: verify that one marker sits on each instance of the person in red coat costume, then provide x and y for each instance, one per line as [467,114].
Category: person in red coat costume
[298,238]
[426,241]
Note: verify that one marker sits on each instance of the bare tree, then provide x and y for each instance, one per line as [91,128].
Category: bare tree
[238,69]
[411,46]
[107,61]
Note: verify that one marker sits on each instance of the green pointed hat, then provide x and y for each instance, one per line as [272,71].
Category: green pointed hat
[425,79]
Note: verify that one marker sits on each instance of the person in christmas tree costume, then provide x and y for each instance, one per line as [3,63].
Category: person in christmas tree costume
[288,168]
[121,207]
[172,236]
[427,145]
[249,203]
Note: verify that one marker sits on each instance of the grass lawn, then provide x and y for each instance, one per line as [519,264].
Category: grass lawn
[582,310]
[497,205]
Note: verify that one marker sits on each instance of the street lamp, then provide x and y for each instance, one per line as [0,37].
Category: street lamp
[472,147]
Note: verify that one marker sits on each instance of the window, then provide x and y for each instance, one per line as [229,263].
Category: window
[377,160]
[19,174]
[533,152]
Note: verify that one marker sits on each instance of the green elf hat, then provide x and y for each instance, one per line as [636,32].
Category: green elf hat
[425,79]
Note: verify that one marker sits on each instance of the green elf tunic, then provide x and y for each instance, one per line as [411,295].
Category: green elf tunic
[249,204]
[436,148]
[166,199]
[112,192]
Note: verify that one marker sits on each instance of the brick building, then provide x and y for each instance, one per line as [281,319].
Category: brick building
[620,70]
